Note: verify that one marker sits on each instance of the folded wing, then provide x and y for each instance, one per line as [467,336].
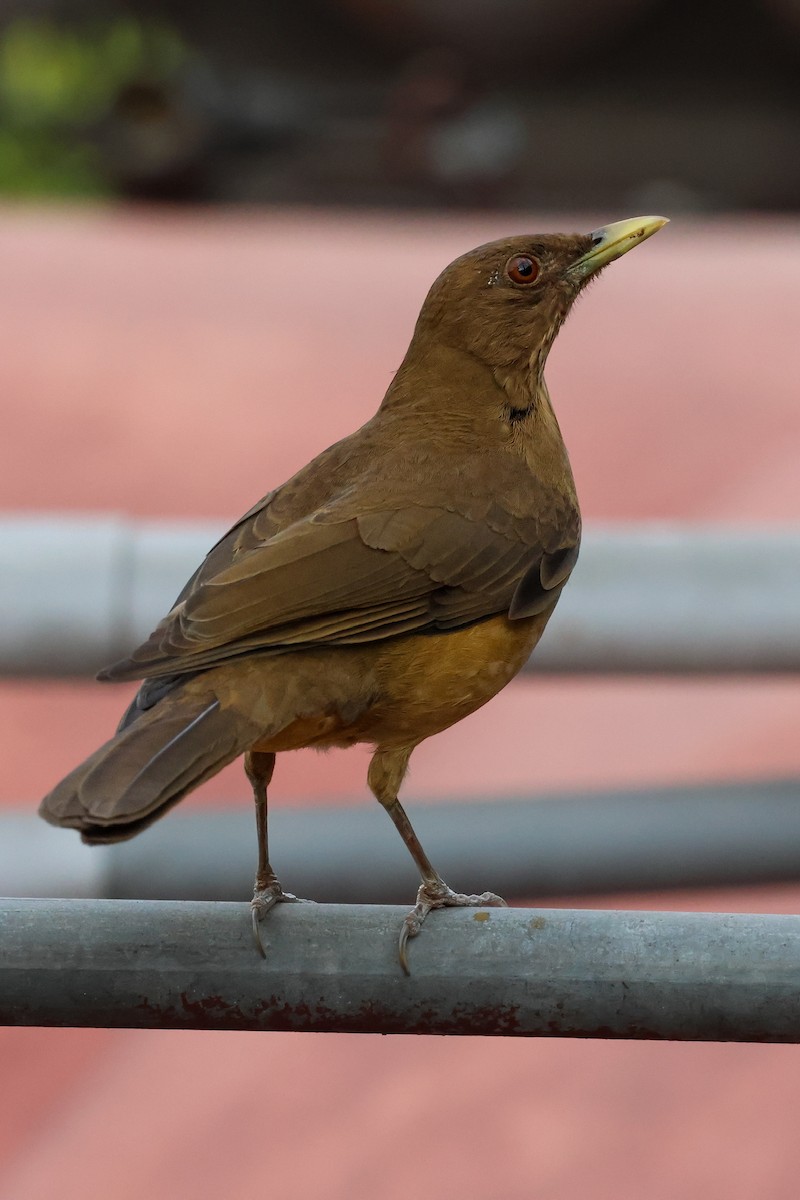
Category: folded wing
[337,579]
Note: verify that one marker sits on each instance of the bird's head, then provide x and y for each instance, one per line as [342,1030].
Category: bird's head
[504,302]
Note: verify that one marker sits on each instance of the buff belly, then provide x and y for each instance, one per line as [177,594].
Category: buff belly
[405,690]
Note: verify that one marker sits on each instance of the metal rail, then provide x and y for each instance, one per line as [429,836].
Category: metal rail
[578,844]
[80,592]
[334,969]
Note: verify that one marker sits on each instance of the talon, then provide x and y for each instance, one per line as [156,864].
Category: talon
[263,900]
[409,929]
[439,895]
[257,932]
[402,952]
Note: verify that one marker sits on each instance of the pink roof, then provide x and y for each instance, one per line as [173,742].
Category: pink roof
[182,365]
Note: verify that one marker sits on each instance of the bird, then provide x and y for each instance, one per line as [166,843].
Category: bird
[389,589]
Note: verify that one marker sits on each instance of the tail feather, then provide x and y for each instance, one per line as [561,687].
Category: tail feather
[149,766]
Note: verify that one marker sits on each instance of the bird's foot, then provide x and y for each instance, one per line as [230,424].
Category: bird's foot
[263,900]
[438,895]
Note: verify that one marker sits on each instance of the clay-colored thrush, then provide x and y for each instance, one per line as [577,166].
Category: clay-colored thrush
[390,588]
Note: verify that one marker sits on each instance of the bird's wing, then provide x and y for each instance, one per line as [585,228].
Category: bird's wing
[335,578]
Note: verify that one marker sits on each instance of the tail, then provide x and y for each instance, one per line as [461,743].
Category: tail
[147,767]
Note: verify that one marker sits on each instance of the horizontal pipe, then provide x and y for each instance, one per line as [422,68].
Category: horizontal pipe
[710,835]
[80,592]
[334,969]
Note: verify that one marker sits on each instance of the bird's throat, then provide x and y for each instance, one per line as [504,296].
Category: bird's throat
[523,380]
[520,384]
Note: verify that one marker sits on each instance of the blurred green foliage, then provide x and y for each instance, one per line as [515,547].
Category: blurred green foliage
[57,84]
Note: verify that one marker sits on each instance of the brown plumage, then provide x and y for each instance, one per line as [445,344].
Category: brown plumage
[390,588]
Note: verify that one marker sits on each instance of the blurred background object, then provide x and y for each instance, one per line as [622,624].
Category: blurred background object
[625,104]
[91,107]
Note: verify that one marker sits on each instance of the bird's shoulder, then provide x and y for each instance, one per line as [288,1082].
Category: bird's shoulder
[426,495]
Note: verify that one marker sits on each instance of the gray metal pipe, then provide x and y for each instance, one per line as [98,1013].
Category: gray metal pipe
[334,969]
[604,842]
[80,592]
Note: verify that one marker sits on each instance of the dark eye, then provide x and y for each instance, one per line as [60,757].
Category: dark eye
[522,269]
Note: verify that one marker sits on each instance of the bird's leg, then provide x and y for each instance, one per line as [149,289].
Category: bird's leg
[268,891]
[386,771]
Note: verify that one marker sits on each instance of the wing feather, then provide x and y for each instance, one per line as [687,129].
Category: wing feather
[337,578]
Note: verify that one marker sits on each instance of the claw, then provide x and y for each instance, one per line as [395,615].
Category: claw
[257,932]
[261,903]
[402,951]
[263,900]
[432,896]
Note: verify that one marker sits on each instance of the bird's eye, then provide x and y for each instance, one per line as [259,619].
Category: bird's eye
[522,269]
